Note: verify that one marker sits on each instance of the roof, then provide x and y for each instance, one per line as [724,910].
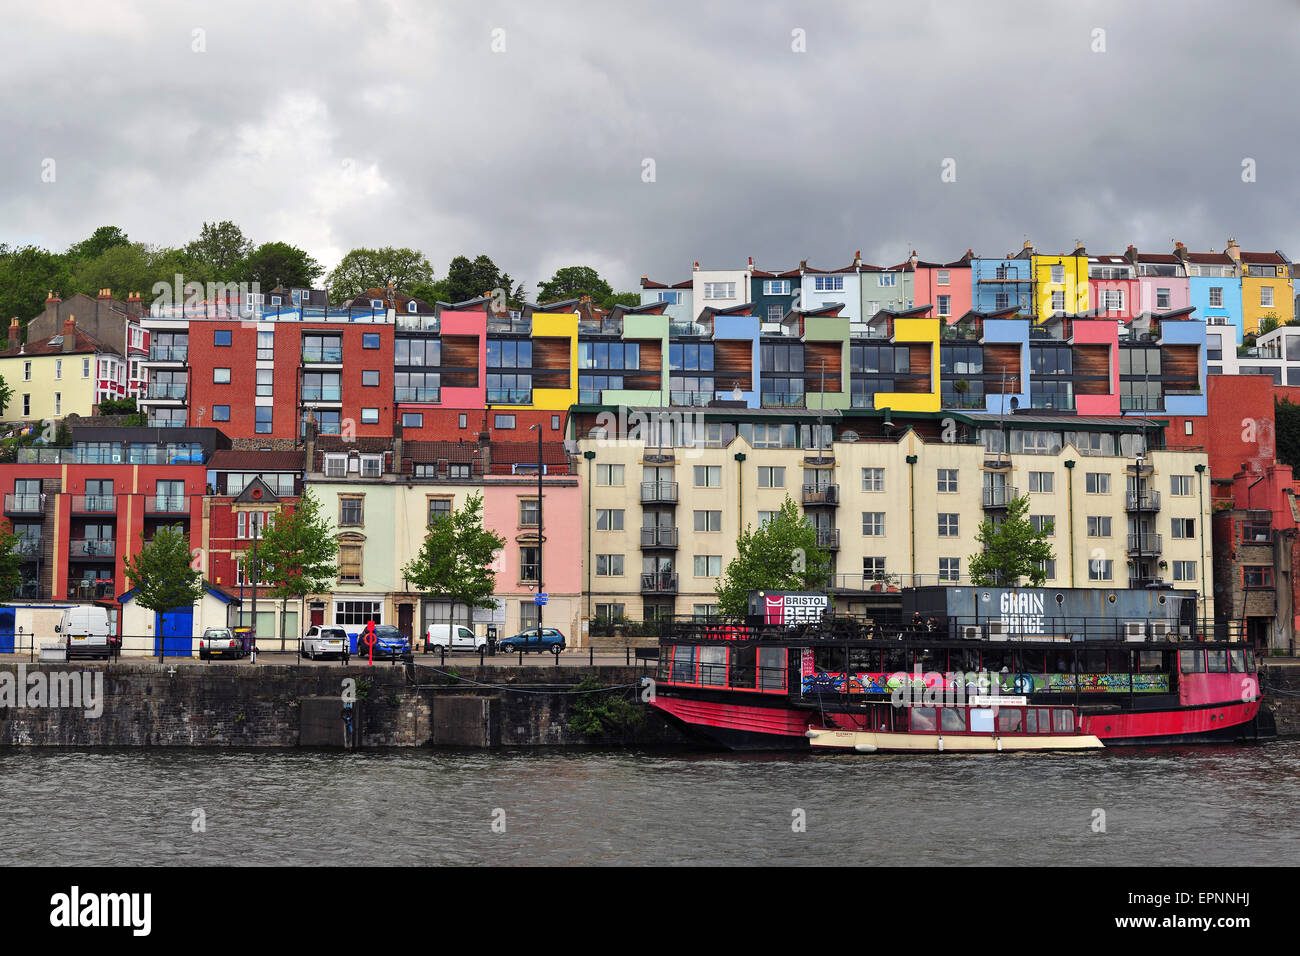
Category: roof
[1263,258]
[431,451]
[230,459]
[1211,258]
[525,453]
[86,344]
[1061,422]
[216,590]
[647,283]
[370,444]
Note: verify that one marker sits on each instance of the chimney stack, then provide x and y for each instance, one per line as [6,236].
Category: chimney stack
[485,449]
[135,304]
[397,448]
[104,294]
[1234,250]
[15,333]
[69,333]
[52,297]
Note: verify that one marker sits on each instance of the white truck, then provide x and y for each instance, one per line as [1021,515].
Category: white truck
[454,637]
[85,628]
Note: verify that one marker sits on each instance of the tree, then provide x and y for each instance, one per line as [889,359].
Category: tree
[469,280]
[363,269]
[224,247]
[1286,417]
[457,556]
[102,239]
[10,562]
[572,282]
[6,395]
[781,555]
[27,275]
[278,263]
[1012,549]
[298,554]
[162,574]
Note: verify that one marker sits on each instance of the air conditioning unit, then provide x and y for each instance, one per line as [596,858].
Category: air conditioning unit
[1135,631]
[1161,630]
[995,629]
[970,632]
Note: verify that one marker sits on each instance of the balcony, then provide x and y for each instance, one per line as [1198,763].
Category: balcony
[694,329]
[821,495]
[165,392]
[1145,543]
[325,355]
[658,538]
[659,582]
[94,504]
[509,324]
[100,589]
[599,327]
[27,546]
[167,505]
[1140,403]
[416,323]
[1052,402]
[692,399]
[169,353]
[509,396]
[828,539]
[430,395]
[24,504]
[322,393]
[91,548]
[1142,501]
[784,399]
[999,498]
[658,492]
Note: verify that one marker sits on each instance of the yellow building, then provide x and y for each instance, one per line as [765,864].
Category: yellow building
[70,372]
[1267,289]
[1061,283]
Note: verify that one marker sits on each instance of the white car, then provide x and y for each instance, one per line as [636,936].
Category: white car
[324,641]
[456,637]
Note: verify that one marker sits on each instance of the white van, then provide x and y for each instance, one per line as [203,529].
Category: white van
[454,637]
[85,627]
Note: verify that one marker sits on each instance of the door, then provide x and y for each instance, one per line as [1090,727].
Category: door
[317,615]
[175,632]
[405,613]
[6,630]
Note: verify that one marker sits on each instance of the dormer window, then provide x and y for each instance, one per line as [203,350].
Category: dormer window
[372,466]
[275,300]
[336,466]
[410,306]
[376,303]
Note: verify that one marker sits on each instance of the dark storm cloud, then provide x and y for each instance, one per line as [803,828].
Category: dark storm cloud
[346,124]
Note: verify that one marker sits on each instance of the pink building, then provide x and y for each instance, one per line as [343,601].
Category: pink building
[944,285]
[1096,366]
[1162,282]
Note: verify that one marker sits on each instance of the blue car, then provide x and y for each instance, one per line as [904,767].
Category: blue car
[389,642]
[549,639]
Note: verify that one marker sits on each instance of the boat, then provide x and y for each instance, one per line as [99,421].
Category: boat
[960,669]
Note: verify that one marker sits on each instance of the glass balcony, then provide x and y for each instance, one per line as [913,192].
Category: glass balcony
[1142,501]
[91,548]
[165,391]
[94,504]
[322,393]
[999,497]
[828,539]
[694,399]
[327,355]
[98,590]
[28,546]
[784,399]
[658,538]
[24,504]
[167,504]
[659,582]
[509,396]
[419,394]
[169,353]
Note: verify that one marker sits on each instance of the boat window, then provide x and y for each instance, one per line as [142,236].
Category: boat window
[1151,662]
[1011,720]
[1191,662]
[964,659]
[741,671]
[1094,662]
[683,664]
[1064,721]
[828,658]
[1250,660]
[923,719]
[953,719]
[864,659]
[1031,661]
[771,668]
[1063,662]
[930,661]
[1044,720]
[1031,721]
[713,666]
[997,661]
[981,720]
[1237,657]
[1218,662]
[895,661]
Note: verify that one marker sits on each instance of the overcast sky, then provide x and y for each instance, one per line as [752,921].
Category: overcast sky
[332,125]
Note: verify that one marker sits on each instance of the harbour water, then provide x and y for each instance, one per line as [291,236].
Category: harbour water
[1160,806]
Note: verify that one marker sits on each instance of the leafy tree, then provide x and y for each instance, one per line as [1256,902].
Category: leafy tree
[278,263]
[363,269]
[298,554]
[162,574]
[781,555]
[99,241]
[571,282]
[456,558]
[469,280]
[27,275]
[1268,324]
[224,247]
[10,562]
[6,395]
[123,267]
[1012,549]
[1286,419]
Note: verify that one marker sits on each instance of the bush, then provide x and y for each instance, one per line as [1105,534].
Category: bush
[595,714]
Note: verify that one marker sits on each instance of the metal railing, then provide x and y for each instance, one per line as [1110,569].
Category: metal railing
[1000,497]
[162,391]
[688,328]
[784,399]
[1142,501]
[167,504]
[659,582]
[1145,543]
[431,394]
[828,538]
[658,537]
[509,396]
[821,494]
[169,353]
[690,398]
[328,355]
[416,323]
[658,491]
[28,546]
[322,393]
[91,548]
[25,504]
[94,504]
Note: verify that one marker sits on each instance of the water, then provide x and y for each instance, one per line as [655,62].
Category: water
[1194,805]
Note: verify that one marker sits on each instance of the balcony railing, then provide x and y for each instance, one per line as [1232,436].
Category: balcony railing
[167,504]
[1145,543]
[828,539]
[328,355]
[694,399]
[92,590]
[417,323]
[999,497]
[164,391]
[519,326]
[323,393]
[784,399]
[94,504]
[28,546]
[596,327]
[659,537]
[166,422]
[509,396]
[91,548]
[656,492]
[659,582]
[24,504]
[432,395]
[963,400]
[169,353]
[821,494]
[1140,403]
[688,328]
[1142,501]
[1054,402]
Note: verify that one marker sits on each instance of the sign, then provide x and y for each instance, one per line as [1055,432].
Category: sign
[540,599]
[980,700]
[491,615]
[788,608]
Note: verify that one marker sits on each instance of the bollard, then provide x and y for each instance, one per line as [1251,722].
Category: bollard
[521,657]
[591,655]
[482,655]
[627,655]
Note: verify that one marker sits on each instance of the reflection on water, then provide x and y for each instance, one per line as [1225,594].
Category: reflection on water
[1194,805]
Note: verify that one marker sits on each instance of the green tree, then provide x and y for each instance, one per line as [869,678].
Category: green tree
[363,269]
[224,247]
[1286,418]
[10,562]
[469,280]
[572,282]
[6,395]
[456,558]
[278,263]
[298,554]
[1012,549]
[102,239]
[162,574]
[781,555]
[27,275]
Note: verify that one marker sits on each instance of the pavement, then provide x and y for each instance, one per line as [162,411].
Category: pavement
[457,660]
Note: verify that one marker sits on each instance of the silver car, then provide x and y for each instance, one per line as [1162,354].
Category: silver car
[324,641]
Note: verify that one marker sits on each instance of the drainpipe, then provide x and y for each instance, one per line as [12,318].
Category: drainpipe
[1069,497]
[589,455]
[740,490]
[911,507]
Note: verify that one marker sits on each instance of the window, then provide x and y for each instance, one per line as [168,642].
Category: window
[266,346]
[941,277]
[265,382]
[1162,298]
[873,523]
[336,466]
[352,510]
[221,413]
[708,521]
[555,423]
[528,561]
[221,338]
[1266,295]
[1098,526]
[1044,524]
[609,565]
[372,466]
[58,403]
[873,569]
[462,420]
[1101,570]
[1112,300]
[828,283]
[262,425]
[1257,576]
[439,508]
[949,569]
[349,566]
[609,519]
[221,376]
[948,479]
[1184,570]
[609,476]
[1216,297]
[945,305]
[609,612]
[1058,275]
[412,419]
[1058,301]
[370,378]
[370,340]
[1097,483]
[873,479]
[1041,482]
[708,565]
[27,370]
[1048,567]
[370,416]
[58,368]
[85,368]
[503,421]
[948,526]
[27,405]
[458,469]
[251,524]
[771,476]
[719,290]
[528,615]
[765,516]
[1180,485]
[672,298]
[708,476]
[1183,527]
[885,279]
[776,287]
[529,512]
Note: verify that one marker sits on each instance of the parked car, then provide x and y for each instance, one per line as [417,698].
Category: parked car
[324,641]
[220,642]
[389,642]
[533,639]
[86,629]
[454,637]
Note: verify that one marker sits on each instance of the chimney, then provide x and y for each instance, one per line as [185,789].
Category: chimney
[912,259]
[104,294]
[485,450]
[69,333]
[751,263]
[857,258]
[397,448]
[1234,250]
[15,334]
[803,265]
[1028,245]
[697,266]
[309,441]
[52,297]
[134,304]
